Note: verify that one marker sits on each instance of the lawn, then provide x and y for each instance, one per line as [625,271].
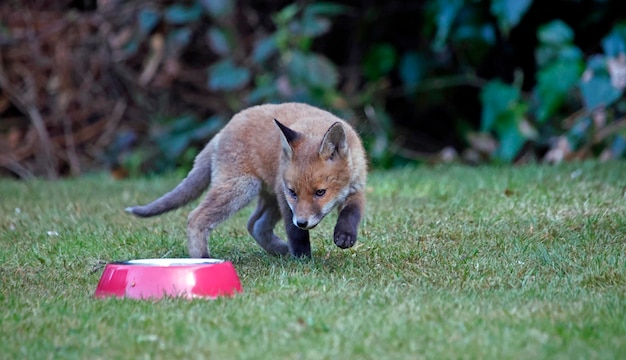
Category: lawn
[452,262]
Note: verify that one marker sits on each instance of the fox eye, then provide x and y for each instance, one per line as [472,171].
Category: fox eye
[320,192]
[292,193]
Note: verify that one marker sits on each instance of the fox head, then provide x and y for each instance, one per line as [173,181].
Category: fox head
[315,172]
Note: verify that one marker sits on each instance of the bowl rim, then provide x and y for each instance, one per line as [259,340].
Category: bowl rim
[168,262]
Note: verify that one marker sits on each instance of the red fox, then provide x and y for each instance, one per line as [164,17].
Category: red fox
[300,161]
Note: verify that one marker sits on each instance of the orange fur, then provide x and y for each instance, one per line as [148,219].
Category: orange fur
[300,161]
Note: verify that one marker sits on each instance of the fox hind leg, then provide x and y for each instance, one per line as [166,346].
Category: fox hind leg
[223,200]
[261,225]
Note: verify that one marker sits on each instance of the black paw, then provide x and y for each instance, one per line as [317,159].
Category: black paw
[300,253]
[344,239]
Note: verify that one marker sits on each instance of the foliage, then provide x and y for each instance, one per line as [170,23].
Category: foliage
[187,67]
[543,117]
[503,113]
[277,65]
[145,84]
[506,110]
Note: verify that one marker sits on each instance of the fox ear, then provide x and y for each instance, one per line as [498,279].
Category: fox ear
[334,142]
[287,137]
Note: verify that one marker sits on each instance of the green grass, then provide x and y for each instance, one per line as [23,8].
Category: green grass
[453,262]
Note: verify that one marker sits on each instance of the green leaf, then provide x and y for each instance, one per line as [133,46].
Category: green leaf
[180,124]
[177,39]
[555,32]
[208,128]
[546,54]
[580,131]
[554,84]
[296,65]
[281,38]
[570,53]
[614,44]
[510,144]
[285,15]
[509,12]
[497,98]
[132,46]
[412,69]
[325,9]
[485,33]
[226,76]
[312,69]
[379,61]
[179,14]
[219,8]
[503,113]
[511,138]
[148,19]
[597,91]
[618,146]
[555,40]
[264,48]
[173,146]
[263,92]
[598,65]
[322,72]
[175,136]
[444,13]
[312,26]
[219,41]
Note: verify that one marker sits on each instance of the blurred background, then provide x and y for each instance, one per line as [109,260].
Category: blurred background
[138,87]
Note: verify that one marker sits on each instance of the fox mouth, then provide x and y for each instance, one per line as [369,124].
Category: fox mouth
[304,224]
[308,227]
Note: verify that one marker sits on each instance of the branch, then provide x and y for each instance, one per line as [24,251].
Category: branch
[612,128]
[26,104]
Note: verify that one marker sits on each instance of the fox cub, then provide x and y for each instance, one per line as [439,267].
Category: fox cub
[300,161]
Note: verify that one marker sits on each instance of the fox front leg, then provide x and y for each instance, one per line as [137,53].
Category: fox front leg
[350,214]
[299,242]
[297,238]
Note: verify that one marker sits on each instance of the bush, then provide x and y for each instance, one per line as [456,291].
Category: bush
[139,87]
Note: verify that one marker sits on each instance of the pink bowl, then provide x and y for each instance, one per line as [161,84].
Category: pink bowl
[156,278]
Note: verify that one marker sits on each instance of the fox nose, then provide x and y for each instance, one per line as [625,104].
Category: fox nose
[302,224]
